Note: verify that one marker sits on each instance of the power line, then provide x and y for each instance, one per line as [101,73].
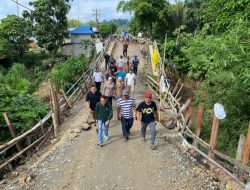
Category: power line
[21,6]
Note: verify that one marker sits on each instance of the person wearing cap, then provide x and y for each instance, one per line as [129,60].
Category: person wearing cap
[147,115]
[108,89]
[130,82]
[125,108]
[104,114]
[120,73]
[106,58]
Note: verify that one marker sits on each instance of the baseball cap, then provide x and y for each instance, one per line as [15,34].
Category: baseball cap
[148,94]
[119,68]
[125,92]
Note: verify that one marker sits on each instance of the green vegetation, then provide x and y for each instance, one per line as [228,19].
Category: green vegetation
[22,108]
[107,29]
[14,37]
[50,23]
[208,41]
[64,75]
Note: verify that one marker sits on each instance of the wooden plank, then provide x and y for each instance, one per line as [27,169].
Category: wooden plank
[214,136]
[23,151]
[179,91]
[218,153]
[176,87]
[187,118]
[240,149]
[198,123]
[66,98]
[12,130]
[246,151]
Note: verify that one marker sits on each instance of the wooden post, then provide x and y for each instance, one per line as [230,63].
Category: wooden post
[42,128]
[12,130]
[214,136]
[240,148]
[246,151]
[9,165]
[54,107]
[176,87]
[187,118]
[66,98]
[198,123]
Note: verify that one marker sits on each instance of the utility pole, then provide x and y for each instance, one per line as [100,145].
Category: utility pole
[17,7]
[96,14]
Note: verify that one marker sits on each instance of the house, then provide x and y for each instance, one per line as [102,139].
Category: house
[81,42]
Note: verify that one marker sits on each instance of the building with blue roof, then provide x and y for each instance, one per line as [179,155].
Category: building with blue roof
[73,46]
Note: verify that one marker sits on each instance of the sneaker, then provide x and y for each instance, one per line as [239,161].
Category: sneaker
[152,147]
[106,138]
[125,139]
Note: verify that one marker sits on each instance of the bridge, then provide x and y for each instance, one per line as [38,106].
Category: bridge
[70,158]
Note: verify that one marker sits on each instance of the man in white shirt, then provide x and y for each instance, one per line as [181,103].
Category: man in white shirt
[98,78]
[121,62]
[130,82]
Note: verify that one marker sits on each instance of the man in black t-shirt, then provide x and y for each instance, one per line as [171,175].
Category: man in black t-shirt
[147,114]
[93,97]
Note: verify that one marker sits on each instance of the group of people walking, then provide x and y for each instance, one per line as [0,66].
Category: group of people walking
[145,113]
[119,85]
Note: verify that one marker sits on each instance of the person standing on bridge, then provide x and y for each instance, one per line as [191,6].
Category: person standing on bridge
[147,115]
[135,64]
[98,78]
[106,58]
[125,49]
[121,62]
[93,97]
[104,114]
[108,89]
[130,82]
[125,107]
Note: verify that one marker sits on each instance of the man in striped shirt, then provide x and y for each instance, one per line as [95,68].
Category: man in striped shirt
[125,108]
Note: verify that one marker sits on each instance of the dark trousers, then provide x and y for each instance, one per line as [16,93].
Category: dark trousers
[98,86]
[126,126]
[135,70]
[110,100]
[125,53]
[106,65]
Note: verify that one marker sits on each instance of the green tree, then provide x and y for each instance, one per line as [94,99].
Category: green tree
[14,37]
[106,29]
[72,23]
[150,17]
[225,14]
[50,23]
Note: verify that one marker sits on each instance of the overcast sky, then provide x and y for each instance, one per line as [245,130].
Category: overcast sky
[107,7]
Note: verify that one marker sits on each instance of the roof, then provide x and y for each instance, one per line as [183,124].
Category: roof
[83,30]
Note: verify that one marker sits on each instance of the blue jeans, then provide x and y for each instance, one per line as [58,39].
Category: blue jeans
[152,126]
[100,134]
[126,126]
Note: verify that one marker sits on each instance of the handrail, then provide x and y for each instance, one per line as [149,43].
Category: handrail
[85,77]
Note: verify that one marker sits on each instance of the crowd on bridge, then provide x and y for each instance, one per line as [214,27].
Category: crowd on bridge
[119,86]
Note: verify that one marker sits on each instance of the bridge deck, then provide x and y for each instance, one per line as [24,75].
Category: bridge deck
[78,164]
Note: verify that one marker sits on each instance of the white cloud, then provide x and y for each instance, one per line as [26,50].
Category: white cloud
[107,7]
